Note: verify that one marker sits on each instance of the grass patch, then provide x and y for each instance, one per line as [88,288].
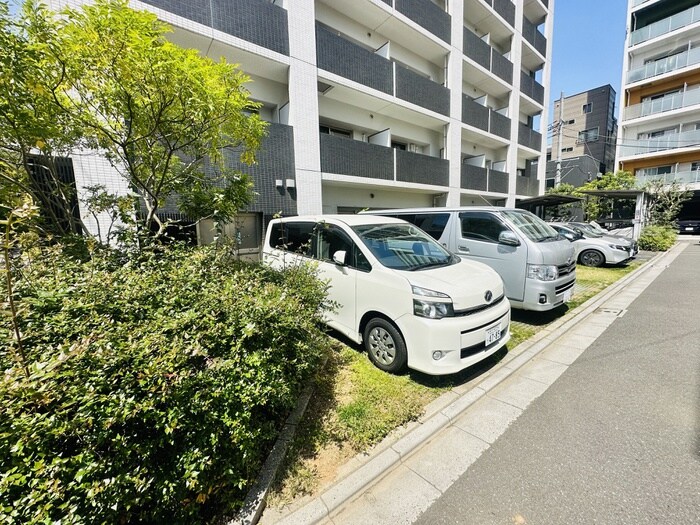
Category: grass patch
[356,405]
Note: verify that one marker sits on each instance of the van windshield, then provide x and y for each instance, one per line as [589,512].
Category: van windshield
[403,247]
[532,226]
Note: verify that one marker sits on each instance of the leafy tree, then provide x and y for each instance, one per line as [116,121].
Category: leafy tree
[34,132]
[664,202]
[602,207]
[568,210]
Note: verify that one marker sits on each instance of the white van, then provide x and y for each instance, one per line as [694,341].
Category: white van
[411,302]
[538,267]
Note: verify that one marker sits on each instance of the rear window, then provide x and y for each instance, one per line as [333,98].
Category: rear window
[292,236]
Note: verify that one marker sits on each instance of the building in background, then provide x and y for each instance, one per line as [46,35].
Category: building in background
[379,103]
[659,133]
[583,136]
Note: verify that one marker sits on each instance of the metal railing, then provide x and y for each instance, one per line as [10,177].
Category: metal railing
[684,139]
[681,177]
[665,65]
[663,104]
[682,19]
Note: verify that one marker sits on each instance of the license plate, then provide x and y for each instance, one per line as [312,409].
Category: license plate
[568,294]
[493,335]
[689,229]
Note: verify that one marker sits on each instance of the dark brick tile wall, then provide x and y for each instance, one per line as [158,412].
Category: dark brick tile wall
[423,169]
[474,113]
[360,159]
[506,9]
[428,15]
[499,124]
[422,91]
[498,181]
[501,66]
[476,49]
[473,177]
[340,56]
[196,10]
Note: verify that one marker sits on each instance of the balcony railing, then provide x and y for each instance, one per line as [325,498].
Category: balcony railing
[426,14]
[664,104]
[484,118]
[530,87]
[639,2]
[665,65]
[682,19]
[681,177]
[534,36]
[487,57]
[422,91]
[258,21]
[483,179]
[505,8]
[529,138]
[421,169]
[685,139]
[527,185]
[345,156]
[344,58]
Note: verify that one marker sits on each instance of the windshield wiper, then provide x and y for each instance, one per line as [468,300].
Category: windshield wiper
[430,265]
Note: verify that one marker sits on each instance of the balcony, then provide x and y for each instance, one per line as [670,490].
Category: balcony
[529,186]
[483,179]
[426,14]
[529,138]
[421,91]
[664,104]
[256,21]
[344,58]
[680,177]
[484,118]
[345,156]
[535,37]
[530,87]
[505,8]
[662,27]
[685,139]
[487,57]
[421,169]
[664,65]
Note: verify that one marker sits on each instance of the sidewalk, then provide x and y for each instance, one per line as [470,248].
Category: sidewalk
[458,427]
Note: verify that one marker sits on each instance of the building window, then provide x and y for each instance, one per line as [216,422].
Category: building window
[588,135]
[328,130]
[566,150]
[572,121]
[587,108]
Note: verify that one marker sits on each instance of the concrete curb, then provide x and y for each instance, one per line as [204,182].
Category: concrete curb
[384,458]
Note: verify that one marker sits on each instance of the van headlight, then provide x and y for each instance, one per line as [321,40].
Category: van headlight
[542,272]
[431,309]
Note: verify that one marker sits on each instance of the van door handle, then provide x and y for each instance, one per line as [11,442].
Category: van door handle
[464,249]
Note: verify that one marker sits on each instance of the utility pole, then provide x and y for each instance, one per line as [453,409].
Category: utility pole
[557,176]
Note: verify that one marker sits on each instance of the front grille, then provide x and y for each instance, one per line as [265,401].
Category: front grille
[566,269]
[564,287]
[480,308]
[480,347]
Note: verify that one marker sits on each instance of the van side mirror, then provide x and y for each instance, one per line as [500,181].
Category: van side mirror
[508,238]
[339,257]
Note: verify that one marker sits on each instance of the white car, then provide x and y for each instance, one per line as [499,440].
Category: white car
[590,230]
[398,291]
[595,251]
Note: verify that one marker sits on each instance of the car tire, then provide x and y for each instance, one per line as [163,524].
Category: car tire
[592,258]
[385,346]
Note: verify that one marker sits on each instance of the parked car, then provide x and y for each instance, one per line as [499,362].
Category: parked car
[689,226]
[405,297]
[594,250]
[594,230]
[538,268]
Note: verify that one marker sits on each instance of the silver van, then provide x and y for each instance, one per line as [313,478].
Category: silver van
[538,267]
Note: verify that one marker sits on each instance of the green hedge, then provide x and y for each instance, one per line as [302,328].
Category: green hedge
[657,238]
[157,385]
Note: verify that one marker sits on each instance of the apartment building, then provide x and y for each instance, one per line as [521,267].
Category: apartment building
[584,135]
[659,134]
[380,103]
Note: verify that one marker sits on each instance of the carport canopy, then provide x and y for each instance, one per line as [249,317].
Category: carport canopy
[638,195]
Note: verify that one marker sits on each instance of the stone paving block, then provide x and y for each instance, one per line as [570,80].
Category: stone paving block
[420,434]
[383,504]
[460,405]
[519,391]
[576,340]
[543,370]
[495,378]
[562,353]
[488,419]
[447,457]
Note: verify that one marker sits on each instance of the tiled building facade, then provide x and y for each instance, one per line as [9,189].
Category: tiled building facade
[383,103]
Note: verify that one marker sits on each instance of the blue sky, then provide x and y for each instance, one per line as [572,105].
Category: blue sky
[587,46]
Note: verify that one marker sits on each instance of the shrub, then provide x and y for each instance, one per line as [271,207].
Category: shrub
[156,385]
[657,238]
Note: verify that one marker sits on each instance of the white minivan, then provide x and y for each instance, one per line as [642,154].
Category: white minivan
[407,299]
[538,267]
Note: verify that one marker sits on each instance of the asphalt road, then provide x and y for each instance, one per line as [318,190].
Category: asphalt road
[616,439]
